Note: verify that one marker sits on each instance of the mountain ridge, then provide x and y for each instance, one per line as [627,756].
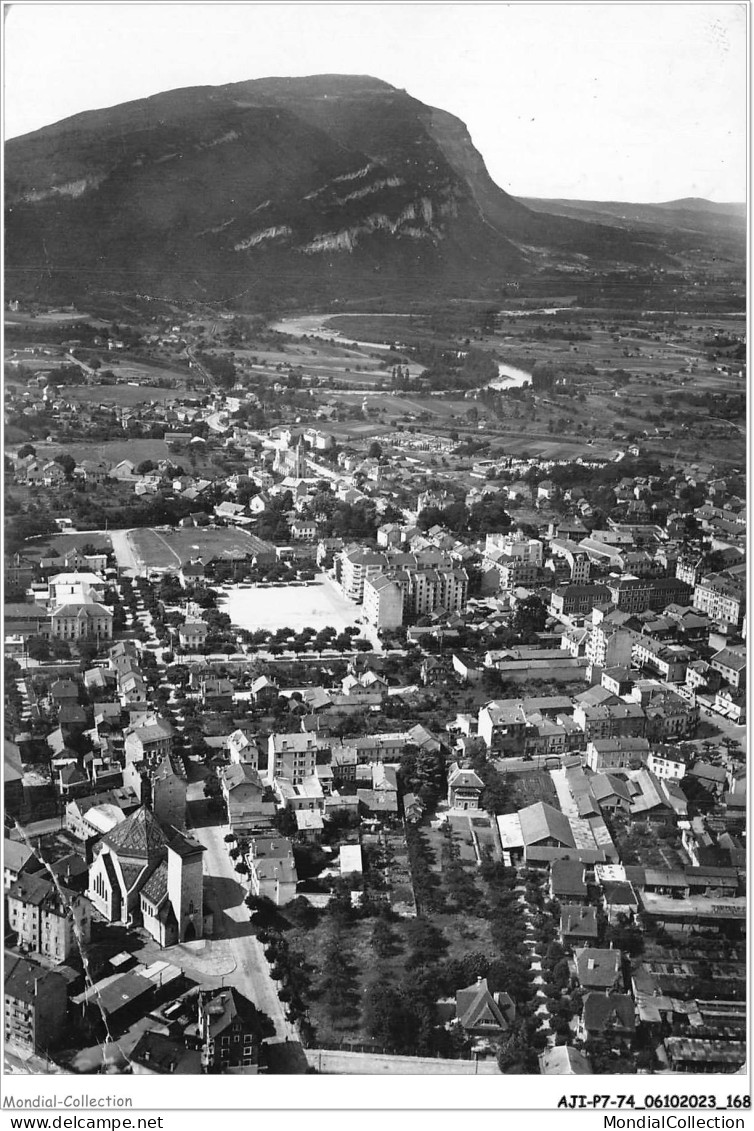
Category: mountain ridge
[333,183]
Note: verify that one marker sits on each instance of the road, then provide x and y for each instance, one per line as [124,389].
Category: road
[128,563]
[197,365]
[232,921]
[215,424]
[81,364]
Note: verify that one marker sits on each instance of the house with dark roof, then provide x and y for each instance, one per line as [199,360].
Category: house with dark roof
[610,1014]
[216,694]
[47,918]
[193,633]
[71,870]
[157,1054]
[72,719]
[712,778]
[598,969]
[619,900]
[578,924]
[19,859]
[568,881]
[647,796]
[35,1006]
[116,1001]
[229,1031]
[378,803]
[64,691]
[419,736]
[264,691]
[413,809]
[72,781]
[244,794]
[122,655]
[26,619]
[152,738]
[159,780]
[272,869]
[610,792]
[481,1013]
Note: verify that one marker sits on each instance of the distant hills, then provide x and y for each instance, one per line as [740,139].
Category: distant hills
[304,189]
[720,227]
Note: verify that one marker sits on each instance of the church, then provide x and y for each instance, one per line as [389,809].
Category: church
[148,874]
[291,461]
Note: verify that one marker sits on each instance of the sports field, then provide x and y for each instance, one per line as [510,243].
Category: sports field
[169,548]
[290,606]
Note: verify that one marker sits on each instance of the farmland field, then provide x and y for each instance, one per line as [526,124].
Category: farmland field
[126,395]
[296,607]
[21,318]
[63,543]
[629,374]
[112,451]
[396,404]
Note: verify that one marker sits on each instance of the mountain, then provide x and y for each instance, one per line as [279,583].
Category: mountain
[300,188]
[690,224]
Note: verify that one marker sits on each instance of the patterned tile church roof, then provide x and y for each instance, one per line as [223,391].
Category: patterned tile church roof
[139,836]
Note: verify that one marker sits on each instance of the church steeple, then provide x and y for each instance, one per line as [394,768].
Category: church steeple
[300,469]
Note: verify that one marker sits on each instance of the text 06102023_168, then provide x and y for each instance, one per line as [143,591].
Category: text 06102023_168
[604,1100]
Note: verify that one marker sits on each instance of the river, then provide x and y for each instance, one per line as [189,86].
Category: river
[314,326]
[508,377]
[529,313]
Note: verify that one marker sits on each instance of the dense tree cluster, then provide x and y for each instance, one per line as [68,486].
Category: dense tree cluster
[529,618]
[221,367]
[422,772]
[489,514]
[455,369]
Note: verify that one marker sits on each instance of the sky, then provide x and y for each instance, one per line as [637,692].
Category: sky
[595,101]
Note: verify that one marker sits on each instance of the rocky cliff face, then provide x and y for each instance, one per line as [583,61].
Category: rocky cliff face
[319,187]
